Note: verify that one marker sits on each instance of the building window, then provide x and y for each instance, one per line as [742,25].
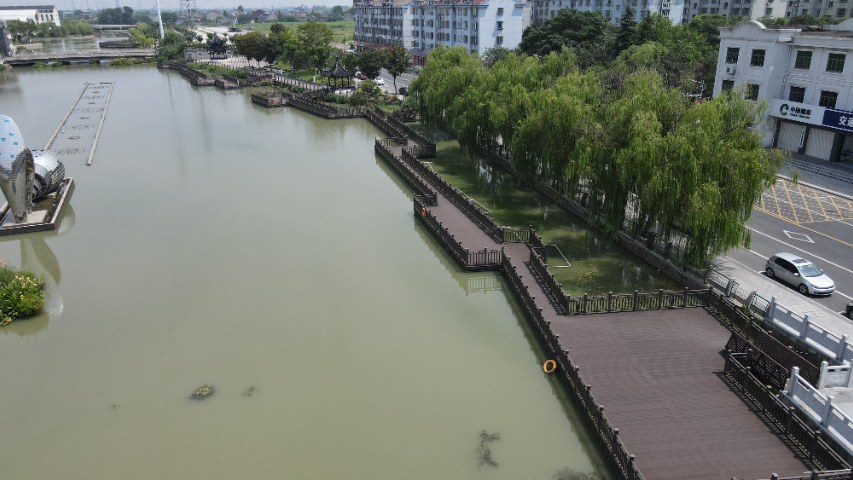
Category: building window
[752,91]
[757,59]
[830,4]
[828,99]
[500,25]
[797,94]
[732,54]
[728,85]
[841,12]
[499,40]
[500,11]
[804,59]
[835,62]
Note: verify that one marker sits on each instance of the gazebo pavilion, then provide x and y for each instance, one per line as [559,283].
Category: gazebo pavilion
[338,72]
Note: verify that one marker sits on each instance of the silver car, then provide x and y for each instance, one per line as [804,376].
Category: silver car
[800,273]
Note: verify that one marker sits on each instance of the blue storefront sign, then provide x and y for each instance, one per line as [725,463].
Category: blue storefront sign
[838,119]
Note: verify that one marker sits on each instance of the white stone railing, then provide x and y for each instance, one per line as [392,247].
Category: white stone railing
[819,407]
[799,326]
[835,376]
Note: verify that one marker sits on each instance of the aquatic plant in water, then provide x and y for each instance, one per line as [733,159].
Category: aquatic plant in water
[202,392]
[21,293]
[484,451]
[250,391]
[568,473]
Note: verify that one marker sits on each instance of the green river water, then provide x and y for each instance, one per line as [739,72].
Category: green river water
[217,242]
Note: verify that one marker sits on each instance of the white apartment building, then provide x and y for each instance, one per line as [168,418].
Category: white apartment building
[818,8]
[421,25]
[612,10]
[753,9]
[803,74]
[34,14]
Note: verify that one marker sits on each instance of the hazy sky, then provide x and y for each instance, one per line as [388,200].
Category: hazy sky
[174,5]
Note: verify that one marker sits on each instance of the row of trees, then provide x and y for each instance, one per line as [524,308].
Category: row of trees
[307,45]
[20,30]
[626,131]
[371,61]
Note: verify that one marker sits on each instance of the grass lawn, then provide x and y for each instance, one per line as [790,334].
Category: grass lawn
[343,31]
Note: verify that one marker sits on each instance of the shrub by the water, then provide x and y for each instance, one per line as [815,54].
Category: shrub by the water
[126,62]
[48,65]
[264,83]
[21,293]
[218,70]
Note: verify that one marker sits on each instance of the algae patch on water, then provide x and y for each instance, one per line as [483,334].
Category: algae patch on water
[202,392]
[484,450]
[250,391]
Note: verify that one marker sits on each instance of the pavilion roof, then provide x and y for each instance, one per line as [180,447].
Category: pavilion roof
[338,71]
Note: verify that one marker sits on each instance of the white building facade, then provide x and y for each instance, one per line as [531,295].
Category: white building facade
[612,10]
[804,75]
[819,8]
[751,9]
[35,15]
[422,25]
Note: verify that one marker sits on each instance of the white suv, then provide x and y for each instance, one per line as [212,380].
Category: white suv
[800,273]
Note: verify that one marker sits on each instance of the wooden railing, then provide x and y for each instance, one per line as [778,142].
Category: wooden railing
[607,436]
[478,260]
[427,194]
[765,368]
[195,77]
[461,200]
[610,303]
[822,450]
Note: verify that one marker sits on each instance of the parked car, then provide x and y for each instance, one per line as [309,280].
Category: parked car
[403,91]
[360,76]
[800,273]
[379,81]
[850,310]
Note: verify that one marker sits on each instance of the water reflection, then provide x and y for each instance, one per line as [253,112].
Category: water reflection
[37,257]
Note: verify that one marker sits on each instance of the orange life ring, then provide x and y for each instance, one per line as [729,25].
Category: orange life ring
[549,366]
[423,211]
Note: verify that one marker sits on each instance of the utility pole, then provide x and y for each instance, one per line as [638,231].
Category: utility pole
[159,18]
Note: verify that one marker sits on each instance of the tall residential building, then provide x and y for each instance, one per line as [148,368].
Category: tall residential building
[818,8]
[421,25]
[803,74]
[31,14]
[749,9]
[612,10]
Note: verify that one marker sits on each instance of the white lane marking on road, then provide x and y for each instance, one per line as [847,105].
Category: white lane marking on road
[800,249]
[798,236]
[845,223]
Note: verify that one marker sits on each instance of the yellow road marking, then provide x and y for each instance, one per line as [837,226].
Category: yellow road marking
[805,204]
[819,204]
[778,209]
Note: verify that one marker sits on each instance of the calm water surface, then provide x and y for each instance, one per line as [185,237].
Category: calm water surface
[216,242]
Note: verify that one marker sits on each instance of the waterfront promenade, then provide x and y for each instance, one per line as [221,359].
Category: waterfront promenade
[658,374]
[651,383]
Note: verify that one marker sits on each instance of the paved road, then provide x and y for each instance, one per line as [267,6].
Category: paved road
[800,220]
[402,81]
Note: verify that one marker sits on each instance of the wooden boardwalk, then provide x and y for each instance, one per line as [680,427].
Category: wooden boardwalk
[659,374]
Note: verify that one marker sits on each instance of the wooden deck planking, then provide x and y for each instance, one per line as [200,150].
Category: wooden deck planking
[658,376]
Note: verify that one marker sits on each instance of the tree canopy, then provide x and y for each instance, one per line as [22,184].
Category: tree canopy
[115,16]
[625,134]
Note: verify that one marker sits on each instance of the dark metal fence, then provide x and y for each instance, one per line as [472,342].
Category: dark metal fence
[765,368]
[607,436]
[802,432]
[382,147]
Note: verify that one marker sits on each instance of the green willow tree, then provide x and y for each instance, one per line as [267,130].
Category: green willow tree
[684,168]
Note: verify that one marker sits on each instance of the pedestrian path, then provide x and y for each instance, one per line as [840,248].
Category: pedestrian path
[833,177]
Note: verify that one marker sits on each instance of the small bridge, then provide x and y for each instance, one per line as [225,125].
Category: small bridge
[78,57]
[113,27]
